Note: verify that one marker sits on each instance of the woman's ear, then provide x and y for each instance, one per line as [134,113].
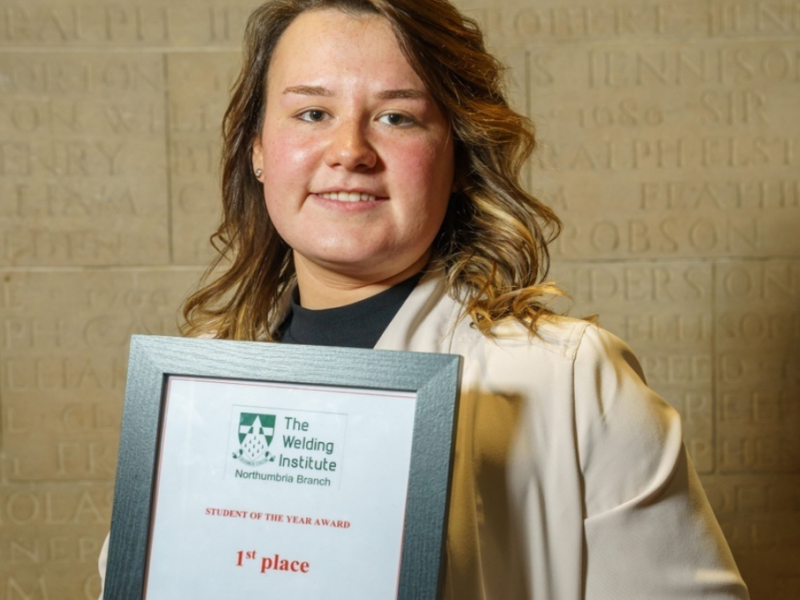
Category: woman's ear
[258,158]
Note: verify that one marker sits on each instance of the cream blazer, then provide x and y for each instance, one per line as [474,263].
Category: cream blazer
[571,480]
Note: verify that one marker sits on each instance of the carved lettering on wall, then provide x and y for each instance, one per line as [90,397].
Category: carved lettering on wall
[77,131]
[137,24]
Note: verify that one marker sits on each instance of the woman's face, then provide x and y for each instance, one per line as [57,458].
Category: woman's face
[357,158]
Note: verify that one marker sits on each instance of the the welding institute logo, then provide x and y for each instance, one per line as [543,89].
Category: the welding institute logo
[255,435]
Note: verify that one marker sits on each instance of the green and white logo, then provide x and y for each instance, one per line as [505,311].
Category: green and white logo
[255,435]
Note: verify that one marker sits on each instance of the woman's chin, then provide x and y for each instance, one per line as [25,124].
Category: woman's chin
[366,267]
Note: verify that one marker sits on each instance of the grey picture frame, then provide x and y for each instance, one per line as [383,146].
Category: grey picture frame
[435,378]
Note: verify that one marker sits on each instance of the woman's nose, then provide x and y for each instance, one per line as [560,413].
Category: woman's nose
[350,148]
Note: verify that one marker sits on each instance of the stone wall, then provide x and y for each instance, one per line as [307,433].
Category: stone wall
[669,144]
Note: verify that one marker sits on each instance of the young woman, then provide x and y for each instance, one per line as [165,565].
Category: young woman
[371,198]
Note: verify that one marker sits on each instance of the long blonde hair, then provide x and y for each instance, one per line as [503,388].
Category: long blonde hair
[493,243]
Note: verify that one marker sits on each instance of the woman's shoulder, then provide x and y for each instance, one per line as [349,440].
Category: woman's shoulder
[558,335]
[434,319]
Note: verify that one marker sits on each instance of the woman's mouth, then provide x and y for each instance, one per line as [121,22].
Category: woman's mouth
[349,196]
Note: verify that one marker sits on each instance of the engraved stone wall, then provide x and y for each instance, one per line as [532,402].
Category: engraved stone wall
[669,142]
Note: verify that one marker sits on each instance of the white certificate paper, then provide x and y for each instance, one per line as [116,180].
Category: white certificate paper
[279,491]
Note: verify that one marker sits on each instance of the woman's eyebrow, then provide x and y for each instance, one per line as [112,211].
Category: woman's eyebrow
[405,94]
[399,94]
[308,90]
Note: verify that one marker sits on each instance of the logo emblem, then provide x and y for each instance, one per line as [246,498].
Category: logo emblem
[255,435]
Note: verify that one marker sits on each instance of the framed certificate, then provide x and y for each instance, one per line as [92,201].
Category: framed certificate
[276,471]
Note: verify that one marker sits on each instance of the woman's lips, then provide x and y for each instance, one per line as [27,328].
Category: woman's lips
[350,196]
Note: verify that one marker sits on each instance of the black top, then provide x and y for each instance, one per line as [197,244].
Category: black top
[357,325]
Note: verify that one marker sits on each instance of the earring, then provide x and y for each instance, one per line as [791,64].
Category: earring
[258,172]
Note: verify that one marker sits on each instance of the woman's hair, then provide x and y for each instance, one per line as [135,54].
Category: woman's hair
[493,243]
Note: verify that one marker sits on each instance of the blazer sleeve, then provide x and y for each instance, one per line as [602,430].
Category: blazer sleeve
[649,531]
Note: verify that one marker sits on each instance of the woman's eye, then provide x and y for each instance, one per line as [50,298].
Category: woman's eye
[397,120]
[313,115]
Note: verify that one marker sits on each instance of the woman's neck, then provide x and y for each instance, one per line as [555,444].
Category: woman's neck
[322,288]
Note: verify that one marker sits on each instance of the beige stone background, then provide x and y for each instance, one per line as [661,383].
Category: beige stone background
[670,144]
